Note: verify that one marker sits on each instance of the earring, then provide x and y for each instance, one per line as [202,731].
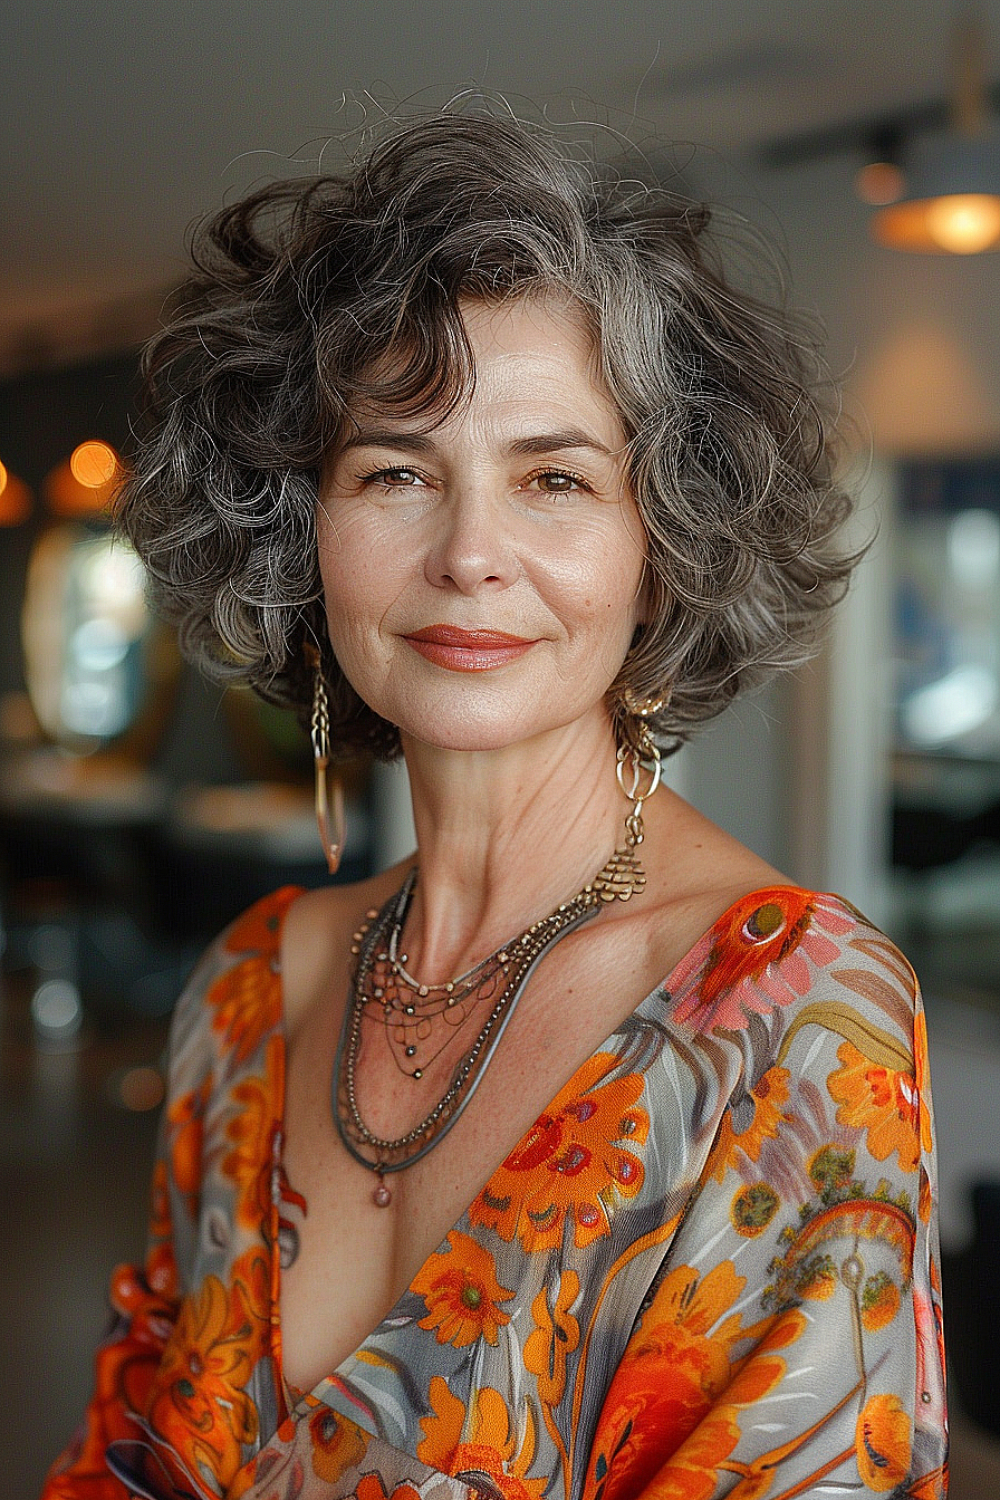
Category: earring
[329,792]
[638,752]
[641,708]
[638,755]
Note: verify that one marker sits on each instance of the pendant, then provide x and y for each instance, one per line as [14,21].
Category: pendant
[382,1196]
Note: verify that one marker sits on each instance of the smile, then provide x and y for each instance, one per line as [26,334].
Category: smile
[467,650]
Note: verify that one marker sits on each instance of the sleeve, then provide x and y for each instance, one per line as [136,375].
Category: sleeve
[791,1344]
[145,1298]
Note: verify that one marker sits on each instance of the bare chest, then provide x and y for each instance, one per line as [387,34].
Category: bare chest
[349,1259]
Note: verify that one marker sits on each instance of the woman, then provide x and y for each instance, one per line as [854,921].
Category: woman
[474,454]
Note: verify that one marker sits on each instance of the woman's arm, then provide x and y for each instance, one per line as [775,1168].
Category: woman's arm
[793,1339]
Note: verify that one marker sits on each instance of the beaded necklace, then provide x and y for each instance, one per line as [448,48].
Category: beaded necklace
[383,990]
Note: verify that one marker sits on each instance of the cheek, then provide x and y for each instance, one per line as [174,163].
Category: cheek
[354,561]
[607,583]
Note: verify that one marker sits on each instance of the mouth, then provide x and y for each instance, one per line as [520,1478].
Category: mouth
[467,650]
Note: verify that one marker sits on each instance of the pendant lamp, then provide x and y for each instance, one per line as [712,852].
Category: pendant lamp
[952,202]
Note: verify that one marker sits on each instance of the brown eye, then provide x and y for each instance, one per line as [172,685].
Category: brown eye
[397,476]
[556,482]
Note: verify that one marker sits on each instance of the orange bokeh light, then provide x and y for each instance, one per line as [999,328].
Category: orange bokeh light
[15,499]
[84,484]
[93,463]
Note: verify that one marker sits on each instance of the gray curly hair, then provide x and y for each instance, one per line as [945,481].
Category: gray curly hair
[310,296]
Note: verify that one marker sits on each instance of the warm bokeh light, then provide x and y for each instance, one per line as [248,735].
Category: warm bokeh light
[880,182]
[140,1088]
[93,464]
[952,224]
[84,484]
[965,223]
[15,499]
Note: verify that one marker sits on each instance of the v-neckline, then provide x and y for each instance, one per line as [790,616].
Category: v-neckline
[334,1381]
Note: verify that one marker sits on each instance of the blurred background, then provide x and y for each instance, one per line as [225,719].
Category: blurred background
[140,808]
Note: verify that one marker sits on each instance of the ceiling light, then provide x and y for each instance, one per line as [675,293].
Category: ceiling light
[952,203]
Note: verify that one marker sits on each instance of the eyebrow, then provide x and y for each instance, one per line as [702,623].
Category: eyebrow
[421,442]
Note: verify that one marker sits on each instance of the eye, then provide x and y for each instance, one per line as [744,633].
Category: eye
[555,482]
[392,479]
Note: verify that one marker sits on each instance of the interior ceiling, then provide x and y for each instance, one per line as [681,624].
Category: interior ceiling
[125,123]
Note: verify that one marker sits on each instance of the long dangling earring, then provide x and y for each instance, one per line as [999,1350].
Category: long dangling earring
[329,792]
[641,751]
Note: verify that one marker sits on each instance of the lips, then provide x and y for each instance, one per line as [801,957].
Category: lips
[467,650]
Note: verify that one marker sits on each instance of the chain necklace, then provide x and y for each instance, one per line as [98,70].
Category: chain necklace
[383,990]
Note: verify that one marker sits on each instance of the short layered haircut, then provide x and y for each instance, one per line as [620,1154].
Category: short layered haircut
[313,296]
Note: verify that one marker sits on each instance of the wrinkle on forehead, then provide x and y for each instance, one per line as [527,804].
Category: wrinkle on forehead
[462,379]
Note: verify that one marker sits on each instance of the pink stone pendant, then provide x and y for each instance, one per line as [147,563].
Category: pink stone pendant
[382,1196]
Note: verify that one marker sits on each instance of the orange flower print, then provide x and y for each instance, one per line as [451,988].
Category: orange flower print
[250,1133]
[656,1416]
[573,1165]
[922,1077]
[883,1443]
[337,1444]
[246,1005]
[556,1334]
[197,1403]
[124,1367]
[881,1101]
[740,974]
[370,1487]
[481,1441]
[185,1135]
[161,1267]
[246,999]
[462,1294]
[258,930]
[750,1120]
[692,1472]
[879,1301]
[678,1363]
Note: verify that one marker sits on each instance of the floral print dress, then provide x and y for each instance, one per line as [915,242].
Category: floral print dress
[709,1268]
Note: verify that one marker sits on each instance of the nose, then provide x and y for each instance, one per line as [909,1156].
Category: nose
[473,546]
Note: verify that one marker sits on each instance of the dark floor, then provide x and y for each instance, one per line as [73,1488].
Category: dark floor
[73,1168]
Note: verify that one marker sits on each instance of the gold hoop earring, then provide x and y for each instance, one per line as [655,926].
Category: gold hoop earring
[329,792]
[636,757]
[642,708]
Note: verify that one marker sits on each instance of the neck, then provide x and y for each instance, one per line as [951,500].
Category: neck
[504,836]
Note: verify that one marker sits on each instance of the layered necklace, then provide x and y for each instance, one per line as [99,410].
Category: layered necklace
[420,1019]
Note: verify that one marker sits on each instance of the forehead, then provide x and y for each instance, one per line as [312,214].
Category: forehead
[528,355]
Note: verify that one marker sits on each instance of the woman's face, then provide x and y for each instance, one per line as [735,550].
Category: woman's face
[483,579]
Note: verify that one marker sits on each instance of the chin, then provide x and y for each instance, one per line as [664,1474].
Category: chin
[468,737]
[472,726]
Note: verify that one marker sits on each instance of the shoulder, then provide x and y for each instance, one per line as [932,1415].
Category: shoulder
[233,995]
[781,950]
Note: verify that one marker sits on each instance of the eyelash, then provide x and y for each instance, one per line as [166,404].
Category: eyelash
[577,479]
[380,476]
